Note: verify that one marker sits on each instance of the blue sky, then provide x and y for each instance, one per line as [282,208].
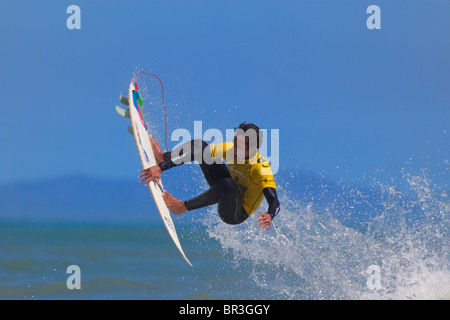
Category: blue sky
[348,101]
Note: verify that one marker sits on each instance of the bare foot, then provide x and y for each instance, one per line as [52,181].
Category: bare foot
[156,150]
[175,205]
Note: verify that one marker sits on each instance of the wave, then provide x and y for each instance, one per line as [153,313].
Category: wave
[313,252]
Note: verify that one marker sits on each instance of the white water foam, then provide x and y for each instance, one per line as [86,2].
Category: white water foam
[310,254]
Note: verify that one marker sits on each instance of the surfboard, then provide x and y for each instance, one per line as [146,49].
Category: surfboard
[147,158]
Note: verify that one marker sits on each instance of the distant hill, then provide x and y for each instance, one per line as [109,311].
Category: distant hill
[77,198]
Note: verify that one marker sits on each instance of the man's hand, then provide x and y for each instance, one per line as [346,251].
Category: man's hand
[156,149]
[150,173]
[264,220]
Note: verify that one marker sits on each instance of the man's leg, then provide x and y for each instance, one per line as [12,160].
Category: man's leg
[223,189]
[225,193]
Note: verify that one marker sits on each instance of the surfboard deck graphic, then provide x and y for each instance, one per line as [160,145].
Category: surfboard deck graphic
[148,160]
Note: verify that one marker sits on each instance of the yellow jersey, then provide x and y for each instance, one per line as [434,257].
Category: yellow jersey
[251,177]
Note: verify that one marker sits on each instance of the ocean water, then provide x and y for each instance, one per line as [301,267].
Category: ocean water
[117,261]
[396,247]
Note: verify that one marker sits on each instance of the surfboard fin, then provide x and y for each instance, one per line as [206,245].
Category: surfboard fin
[123,112]
[124,100]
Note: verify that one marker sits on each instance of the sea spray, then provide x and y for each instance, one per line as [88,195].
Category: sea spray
[310,253]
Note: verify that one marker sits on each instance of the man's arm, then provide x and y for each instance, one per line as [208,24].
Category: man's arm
[272,199]
[265,218]
[188,152]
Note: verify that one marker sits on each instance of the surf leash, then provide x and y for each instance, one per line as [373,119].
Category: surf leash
[164,103]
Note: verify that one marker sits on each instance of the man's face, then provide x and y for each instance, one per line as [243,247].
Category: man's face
[241,148]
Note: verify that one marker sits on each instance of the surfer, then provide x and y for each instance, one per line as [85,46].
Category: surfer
[237,186]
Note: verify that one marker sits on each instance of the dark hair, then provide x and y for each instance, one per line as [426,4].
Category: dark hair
[250,126]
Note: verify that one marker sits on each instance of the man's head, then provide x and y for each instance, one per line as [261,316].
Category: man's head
[247,139]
